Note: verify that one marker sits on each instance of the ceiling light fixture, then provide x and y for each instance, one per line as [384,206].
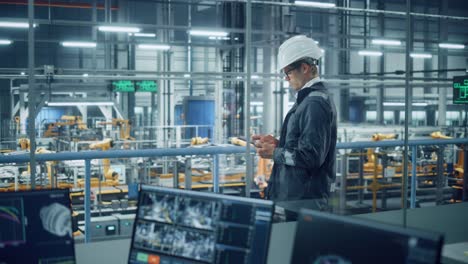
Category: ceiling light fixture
[370,53]
[79,44]
[80,103]
[451,46]
[315,4]
[9,24]
[206,33]
[388,42]
[420,55]
[154,46]
[119,29]
[5,42]
[145,35]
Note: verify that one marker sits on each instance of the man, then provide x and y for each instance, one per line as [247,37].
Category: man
[304,155]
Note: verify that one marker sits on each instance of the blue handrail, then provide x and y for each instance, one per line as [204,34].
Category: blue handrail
[97,154]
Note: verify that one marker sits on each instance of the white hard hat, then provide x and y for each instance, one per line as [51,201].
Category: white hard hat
[296,48]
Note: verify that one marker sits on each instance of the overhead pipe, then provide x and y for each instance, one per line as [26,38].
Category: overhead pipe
[55,4]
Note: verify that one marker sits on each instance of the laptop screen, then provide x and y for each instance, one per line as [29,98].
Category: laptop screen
[327,238]
[179,226]
[36,227]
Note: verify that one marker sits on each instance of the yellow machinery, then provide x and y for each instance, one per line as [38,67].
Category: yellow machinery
[18,125]
[24,144]
[124,126]
[64,121]
[369,166]
[111,177]
[264,166]
[198,141]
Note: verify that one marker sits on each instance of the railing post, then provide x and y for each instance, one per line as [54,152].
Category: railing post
[87,201]
[413,177]
[344,170]
[465,174]
[361,176]
[175,173]
[188,174]
[216,173]
[440,183]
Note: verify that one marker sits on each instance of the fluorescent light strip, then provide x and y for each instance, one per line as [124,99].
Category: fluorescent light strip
[403,104]
[370,53]
[79,44]
[79,103]
[119,29]
[451,46]
[153,47]
[5,42]
[208,33]
[218,38]
[315,4]
[388,42]
[15,24]
[145,35]
[420,55]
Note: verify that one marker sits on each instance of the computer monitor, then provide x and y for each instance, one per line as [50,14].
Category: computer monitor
[180,227]
[36,227]
[326,238]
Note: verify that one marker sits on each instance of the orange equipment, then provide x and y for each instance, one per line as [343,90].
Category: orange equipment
[111,176]
[369,166]
[124,126]
[64,121]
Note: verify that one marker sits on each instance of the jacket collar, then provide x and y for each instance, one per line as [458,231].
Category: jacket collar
[304,92]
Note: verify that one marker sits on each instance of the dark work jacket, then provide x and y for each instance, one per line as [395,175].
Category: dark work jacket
[304,160]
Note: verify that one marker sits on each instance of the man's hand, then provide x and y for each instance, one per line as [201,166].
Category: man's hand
[265,144]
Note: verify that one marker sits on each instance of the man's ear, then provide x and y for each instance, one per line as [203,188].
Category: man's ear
[304,69]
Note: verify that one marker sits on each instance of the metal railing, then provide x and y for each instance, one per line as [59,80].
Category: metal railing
[213,150]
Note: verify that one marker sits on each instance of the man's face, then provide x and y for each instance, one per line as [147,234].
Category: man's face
[295,76]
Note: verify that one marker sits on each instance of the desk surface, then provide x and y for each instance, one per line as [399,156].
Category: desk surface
[448,219]
[455,253]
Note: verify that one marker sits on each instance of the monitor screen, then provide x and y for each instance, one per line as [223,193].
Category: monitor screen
[326,238]
[179,226]
[36,227]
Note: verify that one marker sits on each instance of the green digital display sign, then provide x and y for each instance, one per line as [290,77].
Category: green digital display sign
[146,86]
[460,89]
[123,86]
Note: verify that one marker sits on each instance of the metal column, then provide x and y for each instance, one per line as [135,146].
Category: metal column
[31,96]
[407,111]
[248,37]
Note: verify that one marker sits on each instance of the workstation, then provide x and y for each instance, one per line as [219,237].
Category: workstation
[307,115]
